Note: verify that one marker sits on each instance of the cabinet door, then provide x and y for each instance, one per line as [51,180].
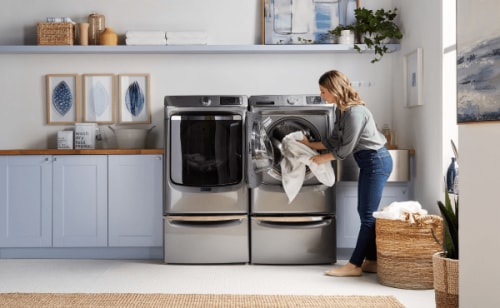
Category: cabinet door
[348,222]
[80,200]
[135,200]
[25,201]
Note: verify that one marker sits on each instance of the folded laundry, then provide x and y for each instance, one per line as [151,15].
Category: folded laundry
[195,35]
[59,19]
[296,156]
[145,41]
[186,38]
[186,42]
[152,34]
[400,210]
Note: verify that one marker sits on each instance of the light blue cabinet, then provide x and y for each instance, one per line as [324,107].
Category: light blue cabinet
[348,222]
[26,201]
[80,200]
[135,200]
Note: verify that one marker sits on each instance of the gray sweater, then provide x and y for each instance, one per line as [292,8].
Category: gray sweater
[353,131]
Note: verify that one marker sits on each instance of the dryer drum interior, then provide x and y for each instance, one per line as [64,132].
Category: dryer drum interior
[281,128]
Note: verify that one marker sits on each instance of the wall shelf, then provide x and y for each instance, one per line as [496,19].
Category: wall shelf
[185,49]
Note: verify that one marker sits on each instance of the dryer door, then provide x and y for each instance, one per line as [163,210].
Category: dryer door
[260,156]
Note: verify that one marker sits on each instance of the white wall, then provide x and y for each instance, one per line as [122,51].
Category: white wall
[479,169]
[226,21]
[423,127]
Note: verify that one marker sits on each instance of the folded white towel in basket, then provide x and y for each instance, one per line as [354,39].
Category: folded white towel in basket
[399,210]
[296,156]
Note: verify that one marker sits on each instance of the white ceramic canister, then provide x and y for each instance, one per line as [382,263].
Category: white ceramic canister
[346,37]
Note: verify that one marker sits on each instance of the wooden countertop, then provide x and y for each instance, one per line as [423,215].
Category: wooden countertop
[81,152]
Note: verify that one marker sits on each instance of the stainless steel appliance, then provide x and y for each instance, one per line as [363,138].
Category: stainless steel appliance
[206,197]
[302,232]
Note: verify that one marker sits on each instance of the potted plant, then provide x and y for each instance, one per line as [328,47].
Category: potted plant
[445,264]
[376,29]
[343,33]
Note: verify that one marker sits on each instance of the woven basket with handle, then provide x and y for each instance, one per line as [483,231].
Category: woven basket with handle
[405,250]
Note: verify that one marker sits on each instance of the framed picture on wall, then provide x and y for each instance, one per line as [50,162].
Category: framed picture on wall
[99,98]
[413,78]
[134,102]
[304,21]
[62,93]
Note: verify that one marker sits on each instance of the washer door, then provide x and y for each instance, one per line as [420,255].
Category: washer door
[206,150]
[260,150]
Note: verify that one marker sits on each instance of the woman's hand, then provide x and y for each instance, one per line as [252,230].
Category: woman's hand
[304,141]
[322,158]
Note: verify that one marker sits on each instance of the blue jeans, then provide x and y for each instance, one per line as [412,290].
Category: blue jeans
[374,170]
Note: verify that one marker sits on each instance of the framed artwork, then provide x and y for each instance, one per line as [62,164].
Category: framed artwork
[99,98]
[413,78]
[478,67]
[134,105]
[62,94]
[304,21]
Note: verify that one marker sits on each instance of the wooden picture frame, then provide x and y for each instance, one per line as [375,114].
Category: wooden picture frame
[62,99]
[98,98]
[413,78]
[134,102]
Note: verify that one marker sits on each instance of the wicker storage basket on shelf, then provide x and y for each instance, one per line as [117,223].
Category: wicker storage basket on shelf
[55,33]
[405,250]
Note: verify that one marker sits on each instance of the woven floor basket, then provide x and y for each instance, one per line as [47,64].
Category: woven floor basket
[55,33]
[445,281]
[405,250]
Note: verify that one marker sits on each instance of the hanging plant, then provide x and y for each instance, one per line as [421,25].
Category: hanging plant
[375,29]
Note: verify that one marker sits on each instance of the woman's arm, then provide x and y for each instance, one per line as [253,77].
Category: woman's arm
[317,145]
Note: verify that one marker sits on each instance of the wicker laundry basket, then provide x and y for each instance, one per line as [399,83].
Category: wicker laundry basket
[405,250]
[55,33]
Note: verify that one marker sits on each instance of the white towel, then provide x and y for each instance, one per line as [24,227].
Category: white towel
[296,156]
[151,34]
[399,210]
[145,41]
[186,38]
[194,35]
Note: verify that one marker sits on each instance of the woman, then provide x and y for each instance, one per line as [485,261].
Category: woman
[355,132]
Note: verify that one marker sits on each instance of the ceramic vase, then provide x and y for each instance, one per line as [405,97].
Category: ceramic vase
[452,177]
[346,37]
[108,37]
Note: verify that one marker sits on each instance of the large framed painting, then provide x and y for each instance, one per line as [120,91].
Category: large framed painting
[62,92]
[478,62]
[304,21]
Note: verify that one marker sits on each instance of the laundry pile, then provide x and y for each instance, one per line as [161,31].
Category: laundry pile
[296,156]
[405,210]
[165,38]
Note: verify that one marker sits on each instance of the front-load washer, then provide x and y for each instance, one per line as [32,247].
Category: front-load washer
[304,228]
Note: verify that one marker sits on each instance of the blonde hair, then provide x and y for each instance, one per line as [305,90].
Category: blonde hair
[338,84]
